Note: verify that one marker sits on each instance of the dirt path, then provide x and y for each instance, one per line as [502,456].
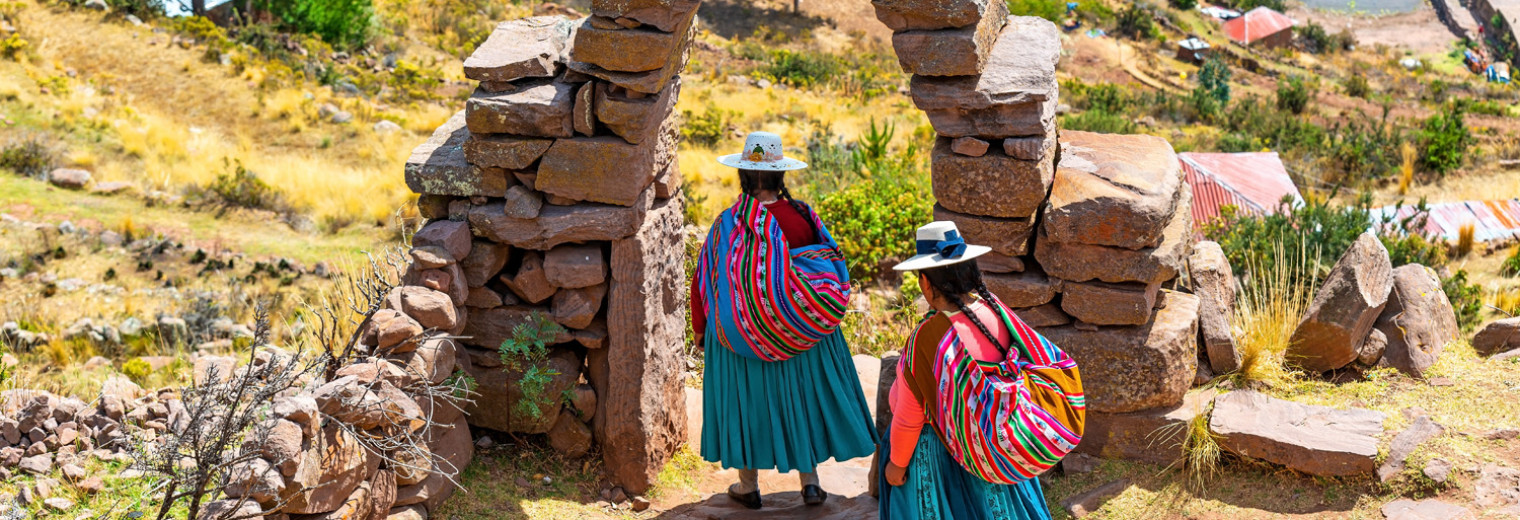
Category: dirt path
[1420,30]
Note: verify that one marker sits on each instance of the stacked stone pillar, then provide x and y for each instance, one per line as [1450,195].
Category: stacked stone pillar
[559,183]
[1089,232]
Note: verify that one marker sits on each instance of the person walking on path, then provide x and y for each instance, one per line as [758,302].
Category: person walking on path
[1004,404]
[779,390]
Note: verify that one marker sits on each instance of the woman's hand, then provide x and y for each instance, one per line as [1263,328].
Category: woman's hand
[896,475]
[699,344]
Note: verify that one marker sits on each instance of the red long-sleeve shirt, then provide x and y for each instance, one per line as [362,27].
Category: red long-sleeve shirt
[798,233]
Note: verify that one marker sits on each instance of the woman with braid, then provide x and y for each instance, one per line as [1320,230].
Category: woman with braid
[1002,403]
[779,390]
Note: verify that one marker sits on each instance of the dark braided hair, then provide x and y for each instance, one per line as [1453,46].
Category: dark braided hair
[755,181]
[954,282]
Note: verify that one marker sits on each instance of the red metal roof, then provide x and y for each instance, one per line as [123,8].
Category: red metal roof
[1491,219]
[1255,183]
[1256,24]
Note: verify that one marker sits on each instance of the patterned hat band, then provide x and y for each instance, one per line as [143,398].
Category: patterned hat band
[759,155]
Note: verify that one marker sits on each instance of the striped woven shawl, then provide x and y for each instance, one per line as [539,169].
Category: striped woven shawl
[764,299]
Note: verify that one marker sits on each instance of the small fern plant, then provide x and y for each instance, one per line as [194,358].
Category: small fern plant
[527,353]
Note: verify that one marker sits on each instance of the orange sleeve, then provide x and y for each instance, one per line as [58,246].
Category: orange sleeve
[907,422]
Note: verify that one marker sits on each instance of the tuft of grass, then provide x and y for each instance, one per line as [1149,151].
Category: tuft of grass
[1406,168]
[1201,451]
[1465,241]
[1271,304]
[681,474]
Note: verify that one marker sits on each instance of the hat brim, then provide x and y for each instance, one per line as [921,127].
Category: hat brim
[737,161]
[921,262]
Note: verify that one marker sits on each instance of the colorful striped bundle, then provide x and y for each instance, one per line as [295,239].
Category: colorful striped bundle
[1008,422]
[771,302]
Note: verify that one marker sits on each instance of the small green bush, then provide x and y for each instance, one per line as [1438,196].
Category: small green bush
[1466,299]
[1247,5]
[1053,10]
[1184,4]
[709,128]
[342,23]
[29,155]
[12,46]
[241,187]
[1212,94]
[137,370]
[527,353]
[1322,231]
[1447,140]
[1293,95]
[1356,86]
[1099,121]
[1135,21]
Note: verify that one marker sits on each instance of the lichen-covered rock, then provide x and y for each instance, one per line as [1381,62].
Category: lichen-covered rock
[1345,308]
[538,108]
[1498,337]
[440,166]
[1418,320]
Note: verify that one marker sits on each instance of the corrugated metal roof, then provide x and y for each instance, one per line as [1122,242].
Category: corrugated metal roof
[1491,219]
[1254,183]
[1256,24]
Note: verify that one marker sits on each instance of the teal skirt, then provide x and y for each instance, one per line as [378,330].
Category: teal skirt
[787,415]
[938,488]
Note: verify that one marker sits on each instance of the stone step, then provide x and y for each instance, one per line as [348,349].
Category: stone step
[1317,440]
[1113,190]
[1014,96]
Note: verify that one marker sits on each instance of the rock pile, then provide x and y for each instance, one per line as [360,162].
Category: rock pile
[41,432]
[556,192]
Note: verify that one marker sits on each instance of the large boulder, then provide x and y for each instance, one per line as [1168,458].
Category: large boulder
[906,15]
[1113,190]
[960,51]
[1418,320]
[537,108]
[1214,283]
[1345,308]
[1126,369]
[641,420]
[1498,337]
[1317,440]
[557,225]
[1014,96]
[532,47]
[992,185]
[440,165]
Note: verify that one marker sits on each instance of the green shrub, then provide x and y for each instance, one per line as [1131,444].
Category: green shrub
[1356,86]
[1321,231]
[29,155]
[1135,21]
[410,81]
[1447,140]
[527,354]
[342,23]
[1466,299]
[1293,95]
[1212,94]
[1053,10]
[137,370]
[864,74]
[709,128]
[1184,4]
[241,187]
[1099,121]
[1319,41]
[873,199]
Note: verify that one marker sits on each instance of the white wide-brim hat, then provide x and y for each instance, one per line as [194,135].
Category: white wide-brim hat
[762,151]
[940,244]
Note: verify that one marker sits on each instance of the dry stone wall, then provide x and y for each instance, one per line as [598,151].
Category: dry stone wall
[556,191]
[1089,232]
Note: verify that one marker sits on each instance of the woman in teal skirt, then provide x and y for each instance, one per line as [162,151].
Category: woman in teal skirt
[779,389]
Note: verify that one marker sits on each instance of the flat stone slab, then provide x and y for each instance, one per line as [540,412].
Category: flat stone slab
[992,185]
[532,47]
[540,108]
[1214,283]
[440,166]
[635,119]
[1084,262]
[1113,190]
[608,170]
[665,15]
[1014,96]
[505,151]
[1102,303]
[557,225]
[1317,440]
[907,15]
[1430,509]
[1006,236]
[1030,288]
[648,82]
[951,52]
[631,50]
[1127,369]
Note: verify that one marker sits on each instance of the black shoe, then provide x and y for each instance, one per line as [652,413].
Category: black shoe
[813,495]
[750,500]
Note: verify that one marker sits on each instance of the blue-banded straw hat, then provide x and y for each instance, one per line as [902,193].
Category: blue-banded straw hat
[762,151]
[940,244]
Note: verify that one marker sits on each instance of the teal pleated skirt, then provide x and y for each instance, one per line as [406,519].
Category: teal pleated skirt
[938,488]
[787,415]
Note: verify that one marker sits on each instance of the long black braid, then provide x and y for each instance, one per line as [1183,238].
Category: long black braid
[755,181]
[954,282]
